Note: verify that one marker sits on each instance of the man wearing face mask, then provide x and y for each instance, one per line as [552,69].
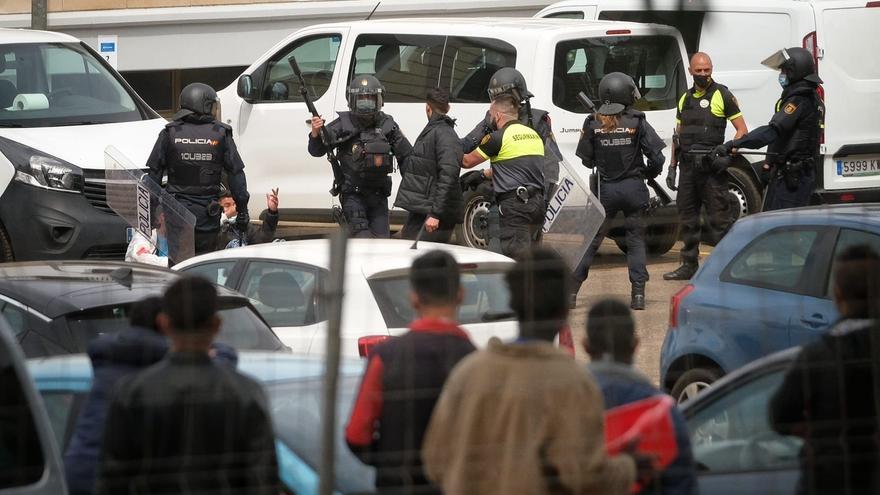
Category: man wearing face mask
[703,112]
[367,142]
[793,134]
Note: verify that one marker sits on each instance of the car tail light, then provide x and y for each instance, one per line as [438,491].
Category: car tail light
[847,198]
[872,4]
[566,340]
[675,304]
[812,46]
[618,31]
[366,344]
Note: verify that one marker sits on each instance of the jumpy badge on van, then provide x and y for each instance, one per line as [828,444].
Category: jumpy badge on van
[860,167]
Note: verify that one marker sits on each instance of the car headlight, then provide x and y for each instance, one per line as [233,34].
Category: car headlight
[40,169]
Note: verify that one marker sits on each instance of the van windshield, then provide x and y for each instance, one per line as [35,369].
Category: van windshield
[654,62]
[56,84]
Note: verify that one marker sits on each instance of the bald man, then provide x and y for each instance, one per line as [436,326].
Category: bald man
[703,112]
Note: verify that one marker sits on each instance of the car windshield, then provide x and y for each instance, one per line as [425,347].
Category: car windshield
[240,327]
[654,62]
[485,298]
[57,84]
[296,416]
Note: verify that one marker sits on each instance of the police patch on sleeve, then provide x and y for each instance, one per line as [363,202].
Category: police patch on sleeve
[485,139]
[789,108]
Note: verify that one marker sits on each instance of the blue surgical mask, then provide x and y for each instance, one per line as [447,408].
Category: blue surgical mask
[783,79]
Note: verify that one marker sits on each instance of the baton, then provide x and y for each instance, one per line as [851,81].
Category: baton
[737,152]
[415,243]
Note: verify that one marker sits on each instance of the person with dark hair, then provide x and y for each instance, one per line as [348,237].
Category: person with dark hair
[611,344]
[230,236]
[187,424]
[522,417]
[828,396]
[430,190]
[404,377]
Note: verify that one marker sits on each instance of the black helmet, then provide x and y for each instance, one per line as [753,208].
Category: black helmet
[616,91]
[197,98]
[365,95]
[511,81]
[796,62]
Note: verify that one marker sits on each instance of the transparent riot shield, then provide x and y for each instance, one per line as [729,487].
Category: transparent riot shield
[574,216]
[146,207]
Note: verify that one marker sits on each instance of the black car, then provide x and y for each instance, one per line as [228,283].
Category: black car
[57,307]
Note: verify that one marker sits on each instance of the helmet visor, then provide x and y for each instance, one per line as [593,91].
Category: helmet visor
[777,60]
[365,103]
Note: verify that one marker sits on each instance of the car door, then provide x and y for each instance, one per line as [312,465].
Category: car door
[735,449]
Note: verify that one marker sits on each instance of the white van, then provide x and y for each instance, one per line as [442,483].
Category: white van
[409,56]
[61,105]
[738,34]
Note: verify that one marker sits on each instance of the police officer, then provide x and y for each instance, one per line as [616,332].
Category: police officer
[703,112]
[367,142]
[613,142]
[792,136]
[194,149]
[516,156]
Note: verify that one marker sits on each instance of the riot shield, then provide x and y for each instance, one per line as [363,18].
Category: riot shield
[146,207]
[574,216]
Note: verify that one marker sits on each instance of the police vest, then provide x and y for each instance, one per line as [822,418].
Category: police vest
[616,152]
[520,161]
[803,142]
[699,126]
[195,157]
[365,154]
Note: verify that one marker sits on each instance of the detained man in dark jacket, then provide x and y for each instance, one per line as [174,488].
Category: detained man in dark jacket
[611,344]
[404,377]
[186,424]
[230,237]
[114,356]
[828,395]
[430,190]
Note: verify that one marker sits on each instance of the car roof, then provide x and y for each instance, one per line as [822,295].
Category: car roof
[8,36]
[374,255]
[54,288]
[266,367]
[858,214]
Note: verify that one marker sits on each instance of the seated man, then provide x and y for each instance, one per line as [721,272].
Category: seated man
[230,237]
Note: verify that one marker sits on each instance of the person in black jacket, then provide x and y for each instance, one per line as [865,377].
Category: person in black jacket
[187,424]
[405,376]
[430,190]
[229,233]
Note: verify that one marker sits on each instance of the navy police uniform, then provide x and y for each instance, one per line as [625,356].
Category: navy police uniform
[366,154]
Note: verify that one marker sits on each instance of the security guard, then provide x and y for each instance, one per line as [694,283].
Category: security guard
[516,156]
[194,149]
[613,142]
[793,134]
[367,142]
[703,112]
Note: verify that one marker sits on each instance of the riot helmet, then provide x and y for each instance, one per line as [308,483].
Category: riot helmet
[511,81]
[198,98]
[616,92]
[796,63]
[365,96]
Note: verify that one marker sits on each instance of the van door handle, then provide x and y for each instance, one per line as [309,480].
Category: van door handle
[815,320]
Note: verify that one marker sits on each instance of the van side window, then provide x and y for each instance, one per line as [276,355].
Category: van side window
[21,456]
[407,65]
[316,57]
[688,23]
[470,63]
[565,15]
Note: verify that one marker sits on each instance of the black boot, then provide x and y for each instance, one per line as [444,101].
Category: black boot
[638,296]
[684,272]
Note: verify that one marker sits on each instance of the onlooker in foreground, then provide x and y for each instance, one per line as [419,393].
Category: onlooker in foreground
[828,396]
[230,236]
[186,424]
[611,344]
[404,377]
[523,417]
[430,190]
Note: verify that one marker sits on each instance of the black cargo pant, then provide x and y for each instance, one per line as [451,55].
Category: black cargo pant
[207,226]
[781,196]
[520,223]
[366,212]
[629,196]
[696,189]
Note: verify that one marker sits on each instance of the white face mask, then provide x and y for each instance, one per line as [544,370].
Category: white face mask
[225,219]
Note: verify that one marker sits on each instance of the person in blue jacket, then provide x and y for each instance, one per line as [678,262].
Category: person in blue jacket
[611,344]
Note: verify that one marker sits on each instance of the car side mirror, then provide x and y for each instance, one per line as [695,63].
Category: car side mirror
[245,88]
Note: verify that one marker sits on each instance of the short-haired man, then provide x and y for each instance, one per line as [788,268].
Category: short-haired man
[231,237]
[828,394]
[187,424]
[611,344]
[516,156]
[523,417]
[404,377]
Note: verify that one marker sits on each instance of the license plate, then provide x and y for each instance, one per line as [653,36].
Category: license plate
[129,234]
[858,167]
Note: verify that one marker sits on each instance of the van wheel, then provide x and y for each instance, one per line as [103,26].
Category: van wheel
[473,231]
[5,246]
[692,382]
[659,239]
[745,191]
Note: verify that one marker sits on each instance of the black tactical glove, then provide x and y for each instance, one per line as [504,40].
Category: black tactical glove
[242,219]
[472,180]
[721,150]
[671,178]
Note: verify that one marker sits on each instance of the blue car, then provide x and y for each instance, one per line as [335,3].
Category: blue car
[764,288]
[294,386]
